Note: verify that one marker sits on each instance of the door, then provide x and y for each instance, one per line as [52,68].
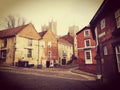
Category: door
[117,50]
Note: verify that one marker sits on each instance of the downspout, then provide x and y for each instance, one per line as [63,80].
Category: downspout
[38,54]
[14,49]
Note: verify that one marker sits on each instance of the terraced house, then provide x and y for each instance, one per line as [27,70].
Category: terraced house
[65,51]
[20,43]
[49,47]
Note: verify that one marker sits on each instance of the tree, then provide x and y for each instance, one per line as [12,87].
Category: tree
[12,21]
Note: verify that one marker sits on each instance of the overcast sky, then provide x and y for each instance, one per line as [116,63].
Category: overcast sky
[65,12]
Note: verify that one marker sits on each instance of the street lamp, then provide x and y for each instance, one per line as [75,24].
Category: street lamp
[99,64]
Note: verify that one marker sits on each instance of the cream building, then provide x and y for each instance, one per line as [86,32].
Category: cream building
[65,51]
[20,43]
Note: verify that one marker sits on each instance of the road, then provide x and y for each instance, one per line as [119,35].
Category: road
[45,79]
[40,79]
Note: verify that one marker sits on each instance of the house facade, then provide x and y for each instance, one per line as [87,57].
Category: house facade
[105,27]
[49,47]
[19,43]
[65,51]
[86,49]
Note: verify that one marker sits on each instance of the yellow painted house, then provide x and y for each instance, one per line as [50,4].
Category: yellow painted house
[65,51]
[20,43]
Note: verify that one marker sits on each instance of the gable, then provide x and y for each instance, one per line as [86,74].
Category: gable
[29,32]
[49,36]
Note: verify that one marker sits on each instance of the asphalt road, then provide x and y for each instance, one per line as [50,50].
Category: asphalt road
[34,79]
[17,81]
[37,79]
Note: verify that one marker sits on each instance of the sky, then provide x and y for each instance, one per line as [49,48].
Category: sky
[40,12]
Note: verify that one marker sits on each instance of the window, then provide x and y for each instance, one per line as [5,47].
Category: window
[29,42]
[49,44]
[117,16]
[86,33]
[3,53]
[117,49]
[49,54]
[105,50]
[42,44]
[87,42]
[4,44]
[29,54]
[88,57]
[102,23]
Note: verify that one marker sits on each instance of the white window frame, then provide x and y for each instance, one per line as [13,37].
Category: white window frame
[117,49]
[102,23]
[86,43]
[105,50]
[49,44]
[86,34]
[117,17]
[88,61]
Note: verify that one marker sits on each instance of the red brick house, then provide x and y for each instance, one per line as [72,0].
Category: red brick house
[50,47]
[86,50]
[105,27]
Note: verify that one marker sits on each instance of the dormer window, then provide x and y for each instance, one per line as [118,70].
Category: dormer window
[117,17]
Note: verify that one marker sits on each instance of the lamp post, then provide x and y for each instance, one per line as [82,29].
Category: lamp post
[99,64]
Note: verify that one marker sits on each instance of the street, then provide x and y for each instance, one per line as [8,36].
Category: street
[46,79]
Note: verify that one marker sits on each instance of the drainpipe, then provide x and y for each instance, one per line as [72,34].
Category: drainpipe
[14,49]
[98,58]
[38,54]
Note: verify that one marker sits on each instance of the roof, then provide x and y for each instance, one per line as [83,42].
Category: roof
[42,33]
[69,38]
[11,32]
[86,27]
[64,41]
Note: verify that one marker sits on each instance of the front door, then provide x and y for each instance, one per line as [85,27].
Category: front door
[117,50]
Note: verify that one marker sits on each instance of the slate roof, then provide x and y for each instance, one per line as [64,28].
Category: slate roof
[86,27]
[64,41]
[11,32]
[42,33]
[69,38]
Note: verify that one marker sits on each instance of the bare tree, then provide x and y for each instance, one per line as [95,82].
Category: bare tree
[12,21]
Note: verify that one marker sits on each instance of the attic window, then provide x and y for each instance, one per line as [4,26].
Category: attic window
[86,33]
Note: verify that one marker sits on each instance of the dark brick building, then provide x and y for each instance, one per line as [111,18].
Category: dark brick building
[106,31]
